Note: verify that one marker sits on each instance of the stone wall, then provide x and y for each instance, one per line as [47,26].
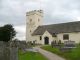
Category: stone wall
[13,53]
[4,51]
[8,52]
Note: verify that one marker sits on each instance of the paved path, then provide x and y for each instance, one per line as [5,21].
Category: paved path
[48,54]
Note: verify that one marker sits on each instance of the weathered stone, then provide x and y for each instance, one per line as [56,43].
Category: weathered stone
[7,51]
[4,51]
[13,53]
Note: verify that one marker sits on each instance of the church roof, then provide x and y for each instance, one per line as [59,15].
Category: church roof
[58,28]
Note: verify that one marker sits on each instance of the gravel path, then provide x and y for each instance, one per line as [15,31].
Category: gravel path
[48,54]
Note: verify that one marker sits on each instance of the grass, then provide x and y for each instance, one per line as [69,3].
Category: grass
[75,54]
[70,55]
[31,56]
[53,50]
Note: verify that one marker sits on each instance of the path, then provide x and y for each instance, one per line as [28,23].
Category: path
[48,54]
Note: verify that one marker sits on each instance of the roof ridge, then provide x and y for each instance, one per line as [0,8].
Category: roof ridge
[61,23]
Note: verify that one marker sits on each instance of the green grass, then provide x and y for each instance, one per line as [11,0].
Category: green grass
[75,54]
[31,56]
[70,55]
[53,50]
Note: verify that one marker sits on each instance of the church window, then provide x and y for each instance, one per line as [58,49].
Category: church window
[65,37]
[40,37]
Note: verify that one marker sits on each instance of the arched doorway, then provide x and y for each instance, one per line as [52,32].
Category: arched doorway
[46,40]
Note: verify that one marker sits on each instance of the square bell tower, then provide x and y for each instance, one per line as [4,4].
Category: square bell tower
[34,19]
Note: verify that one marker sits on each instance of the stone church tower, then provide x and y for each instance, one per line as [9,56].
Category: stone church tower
[34,19]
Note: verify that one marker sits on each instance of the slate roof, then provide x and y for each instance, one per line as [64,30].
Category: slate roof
[58,28]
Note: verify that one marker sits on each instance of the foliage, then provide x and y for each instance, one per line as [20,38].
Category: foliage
[7,32]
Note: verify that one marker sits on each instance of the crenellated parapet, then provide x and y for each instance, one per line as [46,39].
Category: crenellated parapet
[34,19]
[38,12]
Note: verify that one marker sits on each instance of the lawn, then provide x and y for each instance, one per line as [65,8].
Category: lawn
[31,56]
[53,50]
[70,55]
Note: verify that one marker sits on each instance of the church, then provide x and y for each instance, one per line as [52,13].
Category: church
[45,34]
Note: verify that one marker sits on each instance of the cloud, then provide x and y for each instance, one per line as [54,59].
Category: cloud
[55,11]
[21,30]
[60,11]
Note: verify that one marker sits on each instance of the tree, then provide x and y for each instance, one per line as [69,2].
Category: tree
[7,33]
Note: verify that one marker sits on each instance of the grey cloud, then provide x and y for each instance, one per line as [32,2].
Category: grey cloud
[57,19]
[62,11]
[13,11]
[55,11]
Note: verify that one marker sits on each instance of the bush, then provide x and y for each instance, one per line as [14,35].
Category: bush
[7,33]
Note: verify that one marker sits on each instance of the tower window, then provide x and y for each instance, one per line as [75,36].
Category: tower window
[38,20]
[30,30]
[40,37]
[30,20]
[65,37]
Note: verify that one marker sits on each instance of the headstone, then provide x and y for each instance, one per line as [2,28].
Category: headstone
[7,51]
[4,51]
[68,45]
[1,50]
[13,53]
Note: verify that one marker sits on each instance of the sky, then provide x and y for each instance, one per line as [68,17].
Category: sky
[55,11]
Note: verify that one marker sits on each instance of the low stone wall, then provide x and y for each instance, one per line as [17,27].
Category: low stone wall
[8,52]
[4,51]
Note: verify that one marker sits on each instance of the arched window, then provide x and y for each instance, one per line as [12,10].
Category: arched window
[40,37]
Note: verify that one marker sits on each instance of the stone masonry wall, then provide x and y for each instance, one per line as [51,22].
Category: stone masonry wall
[7,52]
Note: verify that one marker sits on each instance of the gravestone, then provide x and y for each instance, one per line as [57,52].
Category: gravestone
[4,51]
[13,53]
[68,45]
[56,44]
[1,50]
[13,50]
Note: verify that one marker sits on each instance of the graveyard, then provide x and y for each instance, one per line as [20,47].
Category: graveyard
[70,54]
[13,49]
[26,52]
[68,50]
[20,50]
